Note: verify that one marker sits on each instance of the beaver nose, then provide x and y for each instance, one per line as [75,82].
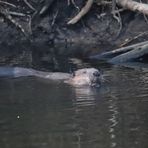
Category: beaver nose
[96,73]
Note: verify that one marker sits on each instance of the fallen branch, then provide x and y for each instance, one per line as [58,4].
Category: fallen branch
[131,55]
[119,51]
[29,5]
[83,11]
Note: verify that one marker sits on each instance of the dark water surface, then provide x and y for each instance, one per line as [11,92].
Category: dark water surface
[38,114]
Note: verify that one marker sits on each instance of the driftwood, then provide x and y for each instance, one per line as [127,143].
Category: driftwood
[119,51]
[124,54]
[137,52]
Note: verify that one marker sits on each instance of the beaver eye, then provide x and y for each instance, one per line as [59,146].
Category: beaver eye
[73,74]
[96,73]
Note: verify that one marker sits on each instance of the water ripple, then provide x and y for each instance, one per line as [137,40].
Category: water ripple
[113,109]
[85,96]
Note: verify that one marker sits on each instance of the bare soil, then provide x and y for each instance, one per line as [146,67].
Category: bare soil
[52,36]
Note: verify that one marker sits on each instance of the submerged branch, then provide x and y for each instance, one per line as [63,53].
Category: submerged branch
[131,55]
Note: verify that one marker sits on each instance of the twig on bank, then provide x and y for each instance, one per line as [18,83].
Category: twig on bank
[29,24]
[46,7]
[136,37]
[73,2]
[29,5]
[17,13]
[116,16]
[30,21]
[54,18]
[104,14]
[6,3]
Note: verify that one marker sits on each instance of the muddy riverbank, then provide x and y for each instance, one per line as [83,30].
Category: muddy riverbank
[50,35]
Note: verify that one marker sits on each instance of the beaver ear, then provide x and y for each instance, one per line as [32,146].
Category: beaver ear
[72,72]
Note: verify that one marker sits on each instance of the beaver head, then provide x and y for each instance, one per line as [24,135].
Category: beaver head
[86,77]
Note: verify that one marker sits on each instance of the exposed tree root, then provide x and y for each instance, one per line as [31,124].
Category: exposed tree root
[127,4]
[8,16]
[73,2]
[104,14]
[83,11]
[133,6]
[6,3]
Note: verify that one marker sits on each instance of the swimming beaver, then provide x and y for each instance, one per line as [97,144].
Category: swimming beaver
[81,77]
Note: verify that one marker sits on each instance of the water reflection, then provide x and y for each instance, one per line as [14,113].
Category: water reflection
[85,96]
[35,113]
[113,108]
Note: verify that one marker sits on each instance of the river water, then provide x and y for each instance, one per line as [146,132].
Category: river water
[35,113]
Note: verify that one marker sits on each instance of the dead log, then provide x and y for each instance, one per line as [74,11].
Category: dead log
[137,52]
[119,51]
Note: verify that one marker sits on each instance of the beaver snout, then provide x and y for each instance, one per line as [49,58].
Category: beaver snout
[86,77]
[96,73]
